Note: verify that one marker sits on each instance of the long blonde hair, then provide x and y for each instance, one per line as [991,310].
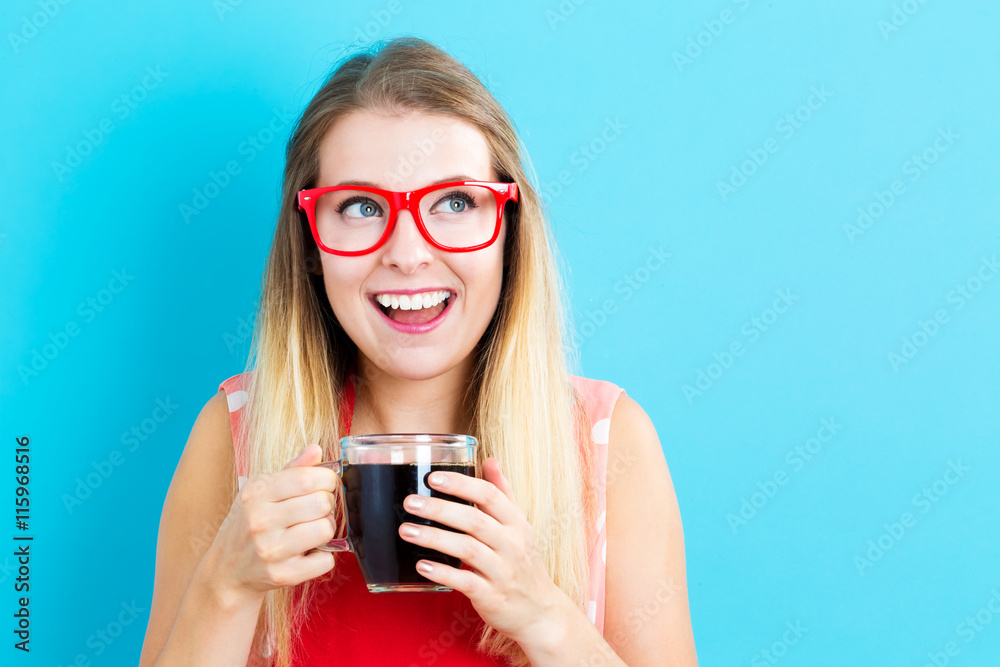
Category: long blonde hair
[526,413]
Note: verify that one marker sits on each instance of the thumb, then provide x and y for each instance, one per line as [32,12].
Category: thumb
[493,474]
[311,455]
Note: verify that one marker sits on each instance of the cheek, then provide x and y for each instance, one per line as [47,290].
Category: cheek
[488,282]
[342,281]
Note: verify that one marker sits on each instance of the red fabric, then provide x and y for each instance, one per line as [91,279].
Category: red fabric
[350,626]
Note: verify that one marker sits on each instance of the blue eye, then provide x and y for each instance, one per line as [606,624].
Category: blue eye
[359,207]
[454,202]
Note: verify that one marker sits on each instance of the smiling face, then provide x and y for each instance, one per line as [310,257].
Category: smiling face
[404,153]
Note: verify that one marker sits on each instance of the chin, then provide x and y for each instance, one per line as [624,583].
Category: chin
[415,365]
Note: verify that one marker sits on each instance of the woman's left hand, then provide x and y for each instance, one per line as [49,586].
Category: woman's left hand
[509,585]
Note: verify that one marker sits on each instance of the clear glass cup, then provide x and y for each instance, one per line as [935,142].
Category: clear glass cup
[378,472]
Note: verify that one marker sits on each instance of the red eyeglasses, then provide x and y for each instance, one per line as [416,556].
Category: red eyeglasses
[459,216]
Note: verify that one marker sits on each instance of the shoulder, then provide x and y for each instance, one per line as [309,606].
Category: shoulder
[206,460]
[208,453]
[637,467]
[633,435]
[599,398]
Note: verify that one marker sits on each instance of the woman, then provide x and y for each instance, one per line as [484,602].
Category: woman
[574,545]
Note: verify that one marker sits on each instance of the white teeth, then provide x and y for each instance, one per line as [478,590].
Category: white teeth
[412,301]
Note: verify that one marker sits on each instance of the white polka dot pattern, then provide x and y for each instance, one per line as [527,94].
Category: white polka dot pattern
[600,431]
[236,400]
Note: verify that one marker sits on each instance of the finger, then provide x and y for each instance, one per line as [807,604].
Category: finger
[314,564]
[467,549]
[486,495]
[310,455]
[463,581]
[299,481]
[493,474]
[470,520]
[300,509]
[302,537]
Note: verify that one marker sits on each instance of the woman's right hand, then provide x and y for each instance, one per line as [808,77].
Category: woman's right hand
[275,521]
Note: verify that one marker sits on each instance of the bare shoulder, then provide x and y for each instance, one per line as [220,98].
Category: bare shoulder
[198,500]
[645,549]
[204,482]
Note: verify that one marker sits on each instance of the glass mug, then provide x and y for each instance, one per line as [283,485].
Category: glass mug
[378,472]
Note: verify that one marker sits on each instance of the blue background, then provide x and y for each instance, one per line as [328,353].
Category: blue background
[641,139]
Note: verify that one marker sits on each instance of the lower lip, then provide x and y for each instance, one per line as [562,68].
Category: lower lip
[414,328]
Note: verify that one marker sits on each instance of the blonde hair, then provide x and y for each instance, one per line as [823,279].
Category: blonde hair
[521,393]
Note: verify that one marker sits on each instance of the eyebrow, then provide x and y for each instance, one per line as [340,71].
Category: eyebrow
[447,179]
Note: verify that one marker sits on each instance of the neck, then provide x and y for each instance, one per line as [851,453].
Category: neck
[388,404]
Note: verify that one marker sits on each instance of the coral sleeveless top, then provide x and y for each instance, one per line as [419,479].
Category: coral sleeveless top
[348,625]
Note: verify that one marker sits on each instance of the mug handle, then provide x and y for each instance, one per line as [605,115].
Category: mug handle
[335,544]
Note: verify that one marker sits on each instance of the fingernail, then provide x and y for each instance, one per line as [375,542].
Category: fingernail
[409,530]
[424,567]
[414,502]
[437,479]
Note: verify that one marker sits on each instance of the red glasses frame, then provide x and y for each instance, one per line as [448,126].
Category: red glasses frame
[398,201]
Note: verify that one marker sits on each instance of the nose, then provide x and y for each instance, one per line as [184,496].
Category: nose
[406,249]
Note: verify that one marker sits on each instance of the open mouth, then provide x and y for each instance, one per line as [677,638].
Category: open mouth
[413,309]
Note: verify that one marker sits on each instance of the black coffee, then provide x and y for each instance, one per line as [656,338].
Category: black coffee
[374,494]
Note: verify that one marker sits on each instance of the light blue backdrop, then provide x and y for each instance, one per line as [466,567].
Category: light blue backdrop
[779,223]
